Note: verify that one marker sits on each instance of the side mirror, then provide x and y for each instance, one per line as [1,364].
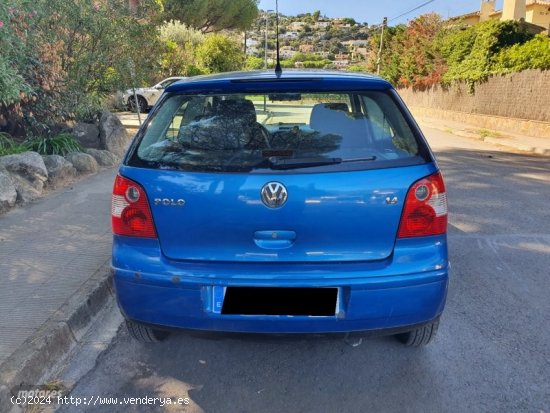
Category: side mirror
[159,87]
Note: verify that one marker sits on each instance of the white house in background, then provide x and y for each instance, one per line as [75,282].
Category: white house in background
[355,43]
[342,56]
[359,53]
[341,23]
[289,35]
[321,25]
[287,52]
[307,48]
[251,46]
[340,64]
[534,12]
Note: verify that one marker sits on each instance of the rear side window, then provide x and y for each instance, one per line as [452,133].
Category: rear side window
[278,131]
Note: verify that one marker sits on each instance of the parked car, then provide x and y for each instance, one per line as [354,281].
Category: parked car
[308,202]
[147,96]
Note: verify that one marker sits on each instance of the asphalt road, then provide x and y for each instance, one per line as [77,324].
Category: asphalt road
[492,353]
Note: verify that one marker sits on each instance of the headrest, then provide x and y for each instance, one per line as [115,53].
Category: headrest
[237,109]
[327,116]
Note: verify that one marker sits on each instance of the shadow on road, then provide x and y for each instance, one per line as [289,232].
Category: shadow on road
[495,192]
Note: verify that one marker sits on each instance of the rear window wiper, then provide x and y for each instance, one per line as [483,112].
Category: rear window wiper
[365,159]
[291,163]
[308,162]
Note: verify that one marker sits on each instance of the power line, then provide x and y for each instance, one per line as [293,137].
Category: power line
[411,10]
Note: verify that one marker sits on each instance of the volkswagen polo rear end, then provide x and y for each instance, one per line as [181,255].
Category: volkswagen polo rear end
[302,203]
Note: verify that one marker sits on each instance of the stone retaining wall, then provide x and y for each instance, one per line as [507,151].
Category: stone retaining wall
[518,102]
[523,95]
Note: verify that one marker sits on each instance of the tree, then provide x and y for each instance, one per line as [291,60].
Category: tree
[13,47]
[316,15]
[178,53]
[218,53]
[421,64]
[391,56]
[212,15]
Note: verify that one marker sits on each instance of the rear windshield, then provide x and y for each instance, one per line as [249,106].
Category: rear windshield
[278,131]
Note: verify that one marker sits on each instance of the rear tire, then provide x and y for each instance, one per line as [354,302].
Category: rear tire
[145,334]
[420,336]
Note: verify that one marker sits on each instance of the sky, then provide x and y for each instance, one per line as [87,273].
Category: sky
[373,11]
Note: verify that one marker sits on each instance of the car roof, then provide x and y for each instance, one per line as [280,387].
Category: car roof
[289,80]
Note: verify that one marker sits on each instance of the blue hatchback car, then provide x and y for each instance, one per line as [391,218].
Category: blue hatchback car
[303,202]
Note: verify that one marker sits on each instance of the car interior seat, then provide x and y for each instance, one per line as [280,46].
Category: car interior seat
[241,113]
[335,118]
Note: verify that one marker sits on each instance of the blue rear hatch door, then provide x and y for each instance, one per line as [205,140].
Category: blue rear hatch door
[336,216]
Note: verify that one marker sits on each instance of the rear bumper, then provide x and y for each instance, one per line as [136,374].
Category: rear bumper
[408,289]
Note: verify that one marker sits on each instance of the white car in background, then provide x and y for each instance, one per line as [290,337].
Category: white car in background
[147,96]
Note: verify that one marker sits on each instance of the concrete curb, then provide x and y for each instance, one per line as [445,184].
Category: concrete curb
[56,337]
[517,145]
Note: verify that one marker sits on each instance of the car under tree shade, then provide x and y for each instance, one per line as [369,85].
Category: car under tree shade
[308,202]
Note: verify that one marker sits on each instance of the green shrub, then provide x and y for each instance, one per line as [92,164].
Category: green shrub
[357,68]
[8,146]
[254,63]
[534,54]
[55,53]
[193,70]
[472,55]
[60,144]
[88,108]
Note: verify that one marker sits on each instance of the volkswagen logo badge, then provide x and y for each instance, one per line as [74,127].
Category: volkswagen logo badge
[274,194]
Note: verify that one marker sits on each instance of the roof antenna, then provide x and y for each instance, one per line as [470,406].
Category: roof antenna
[278,69]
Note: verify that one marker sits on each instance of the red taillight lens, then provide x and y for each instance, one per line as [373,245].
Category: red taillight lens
[425,211]
[130,213]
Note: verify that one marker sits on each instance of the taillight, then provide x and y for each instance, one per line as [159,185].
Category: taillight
[130,213]
[425,211]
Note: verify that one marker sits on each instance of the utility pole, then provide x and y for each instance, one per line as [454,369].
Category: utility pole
[384,23]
